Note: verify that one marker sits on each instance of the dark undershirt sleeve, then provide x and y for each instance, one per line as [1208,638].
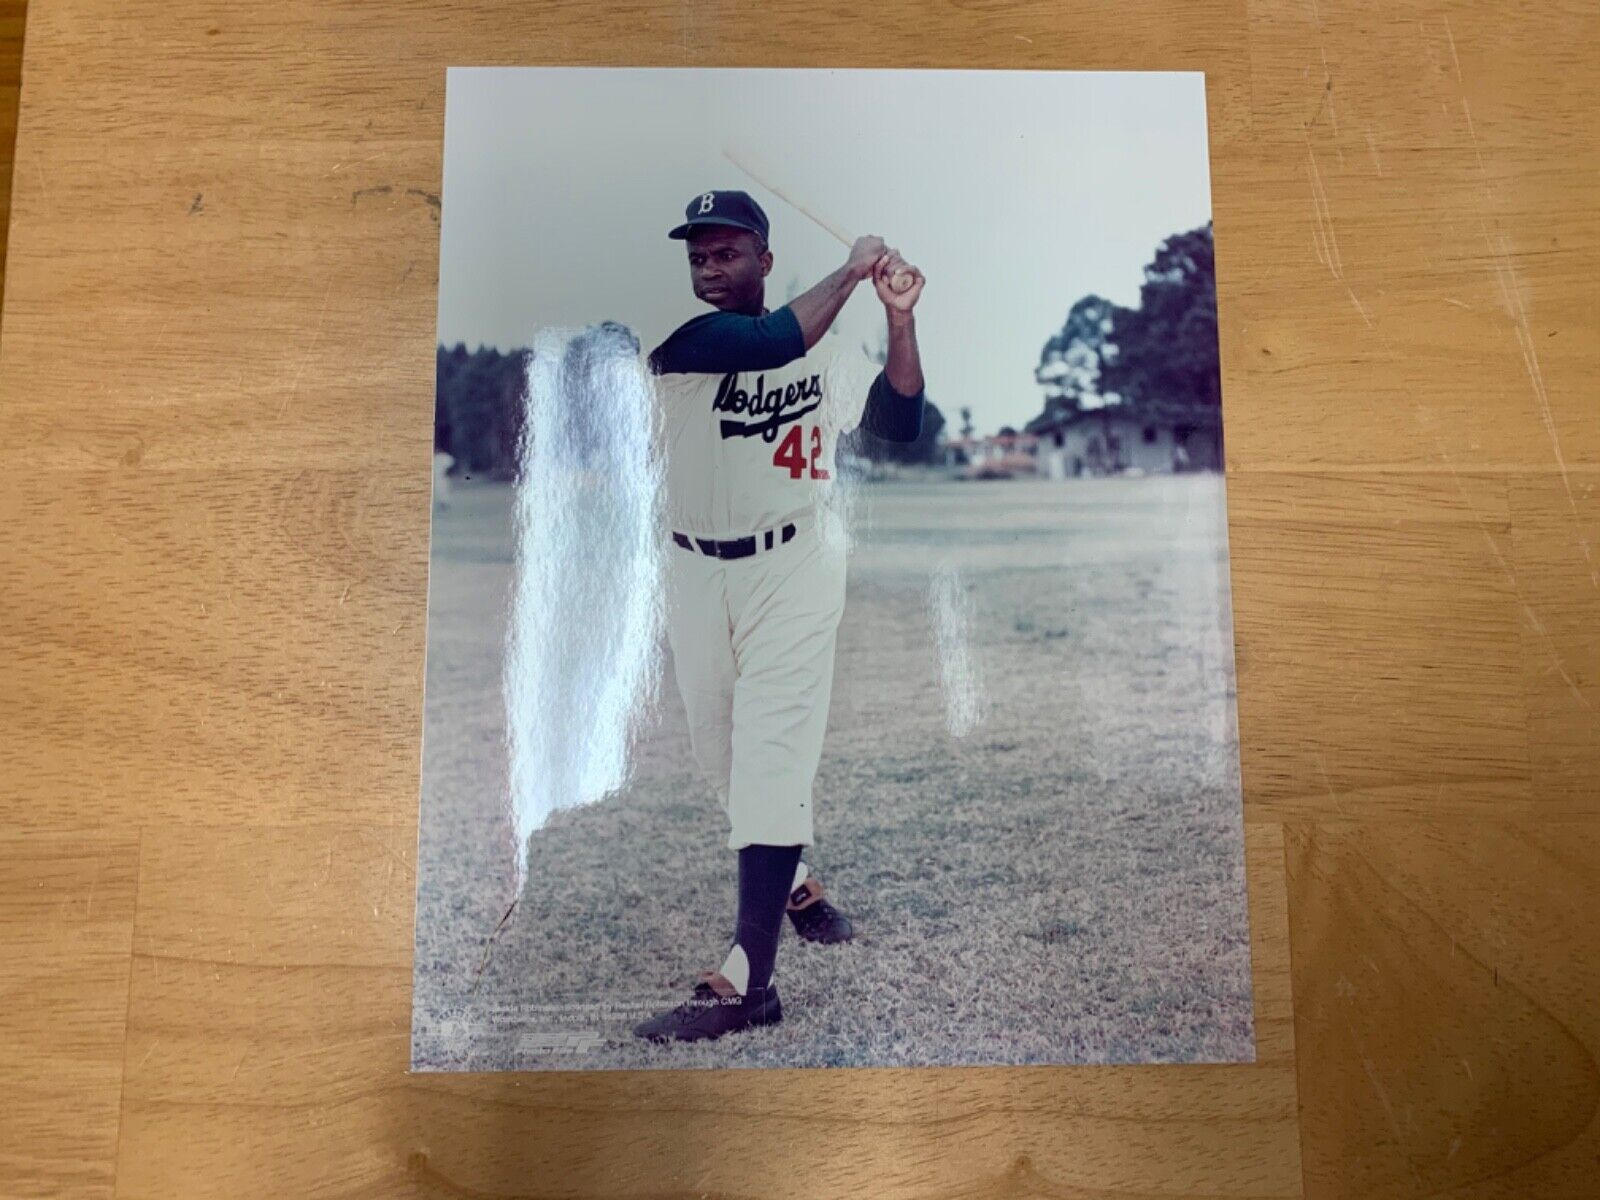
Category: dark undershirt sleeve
[720,342]
[891,416]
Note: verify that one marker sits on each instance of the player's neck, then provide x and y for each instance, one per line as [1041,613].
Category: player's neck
[753,309]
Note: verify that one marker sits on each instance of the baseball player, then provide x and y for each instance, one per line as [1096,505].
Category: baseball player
[752,404]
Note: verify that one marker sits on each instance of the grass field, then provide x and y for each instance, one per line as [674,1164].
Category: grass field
[1064,884]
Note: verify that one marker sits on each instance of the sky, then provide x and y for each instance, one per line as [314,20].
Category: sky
[1015,192]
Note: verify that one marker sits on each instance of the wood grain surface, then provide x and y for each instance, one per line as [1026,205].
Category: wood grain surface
[216,361]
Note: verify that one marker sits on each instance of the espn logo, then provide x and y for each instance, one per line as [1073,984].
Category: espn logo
[561,1041]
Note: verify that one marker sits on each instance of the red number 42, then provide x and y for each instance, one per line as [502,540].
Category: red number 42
[789,454]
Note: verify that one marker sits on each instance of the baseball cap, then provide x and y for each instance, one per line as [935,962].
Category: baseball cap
[722,208]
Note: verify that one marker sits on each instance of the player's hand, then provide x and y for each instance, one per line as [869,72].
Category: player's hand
[890,265]
[865,254]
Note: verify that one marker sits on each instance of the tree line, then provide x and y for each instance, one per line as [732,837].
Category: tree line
[1161,354]
[477,411]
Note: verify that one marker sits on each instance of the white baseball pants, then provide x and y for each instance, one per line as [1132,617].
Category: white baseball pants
[752,647]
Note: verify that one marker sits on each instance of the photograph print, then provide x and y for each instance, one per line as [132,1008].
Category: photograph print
[829,645]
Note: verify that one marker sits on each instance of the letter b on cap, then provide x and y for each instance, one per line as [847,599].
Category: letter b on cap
[707,202]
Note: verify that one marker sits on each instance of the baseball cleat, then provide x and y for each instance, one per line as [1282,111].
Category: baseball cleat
[814,918]
[714,1009]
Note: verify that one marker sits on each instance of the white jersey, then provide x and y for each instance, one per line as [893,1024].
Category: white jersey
[748,450]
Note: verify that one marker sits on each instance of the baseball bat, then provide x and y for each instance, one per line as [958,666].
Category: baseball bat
[747,163]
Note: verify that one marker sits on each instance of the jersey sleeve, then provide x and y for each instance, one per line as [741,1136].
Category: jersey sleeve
[720,342]
[889,415]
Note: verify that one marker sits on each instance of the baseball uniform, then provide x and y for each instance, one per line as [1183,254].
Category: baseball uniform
[748,424]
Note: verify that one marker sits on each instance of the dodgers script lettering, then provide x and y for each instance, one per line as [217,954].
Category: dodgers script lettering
[778,406]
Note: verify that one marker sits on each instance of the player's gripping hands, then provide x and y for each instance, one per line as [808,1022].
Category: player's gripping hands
[891,272]
[898,284]
[865,255]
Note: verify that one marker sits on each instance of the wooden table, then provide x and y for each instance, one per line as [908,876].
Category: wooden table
[214,439]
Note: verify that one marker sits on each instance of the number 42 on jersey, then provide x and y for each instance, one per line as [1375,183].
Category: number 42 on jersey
[790,455]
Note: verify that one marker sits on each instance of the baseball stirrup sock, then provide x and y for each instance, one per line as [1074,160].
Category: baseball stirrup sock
[736,969]
[764,875]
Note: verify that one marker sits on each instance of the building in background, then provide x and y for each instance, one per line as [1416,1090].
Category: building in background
[1146,438]
[1005,455]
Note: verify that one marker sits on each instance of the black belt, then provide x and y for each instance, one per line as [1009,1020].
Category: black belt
[735,547]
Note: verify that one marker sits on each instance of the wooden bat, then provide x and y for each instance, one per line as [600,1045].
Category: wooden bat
[899,281]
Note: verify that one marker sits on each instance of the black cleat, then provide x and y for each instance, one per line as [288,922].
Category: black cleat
[814,918]
[714,1009]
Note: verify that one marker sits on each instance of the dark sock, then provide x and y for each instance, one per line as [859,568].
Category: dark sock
[765,873]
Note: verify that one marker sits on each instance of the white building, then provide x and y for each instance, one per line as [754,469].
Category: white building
[1151,439]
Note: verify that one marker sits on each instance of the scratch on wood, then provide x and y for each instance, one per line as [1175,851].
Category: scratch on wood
[1454,58]
[1324,217]
[1323,101]
[1511,297]
[384,893]
[1388,1112]
[330,1047]
[1322,768]
[199,204]
[1473,132]
[385,847]
[1556,664]
[341,166]
[1360,307]
[1327,92]
[1511,577]
[294,384]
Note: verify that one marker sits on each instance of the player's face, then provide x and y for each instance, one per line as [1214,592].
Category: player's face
[727,268]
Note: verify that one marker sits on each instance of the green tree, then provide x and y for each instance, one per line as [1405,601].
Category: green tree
[478,408]
[1166,349]
[1072,362]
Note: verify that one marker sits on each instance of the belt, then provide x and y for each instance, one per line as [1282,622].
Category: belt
[736,547]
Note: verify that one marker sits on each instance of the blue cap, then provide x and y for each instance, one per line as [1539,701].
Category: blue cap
[723,208]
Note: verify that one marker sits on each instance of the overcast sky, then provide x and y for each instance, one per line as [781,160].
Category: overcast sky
[1016,193]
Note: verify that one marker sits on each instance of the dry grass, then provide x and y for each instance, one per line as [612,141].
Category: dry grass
[1063,885]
